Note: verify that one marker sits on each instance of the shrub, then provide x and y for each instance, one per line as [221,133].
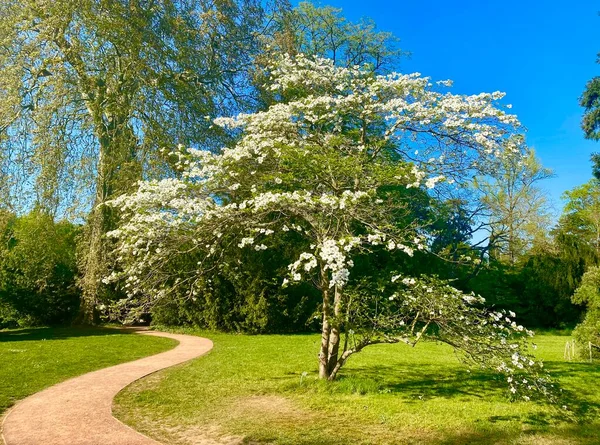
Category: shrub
[37,270]
[588,331]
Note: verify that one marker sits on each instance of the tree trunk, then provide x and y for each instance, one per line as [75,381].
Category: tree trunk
[92,267]
[334,337]
[325,333]
[92,254]
[117,169]
[330,331]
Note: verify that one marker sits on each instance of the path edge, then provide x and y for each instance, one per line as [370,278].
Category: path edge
[143,332]
[135,330]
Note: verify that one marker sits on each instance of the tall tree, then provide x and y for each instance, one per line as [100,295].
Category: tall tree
[581,216]
[513,202]
[590,123]
[93,89]
[588,293]
[325,32]
[595,158]
[37,269]
[590,101]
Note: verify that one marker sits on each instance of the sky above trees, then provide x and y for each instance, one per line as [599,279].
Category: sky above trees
[541,53]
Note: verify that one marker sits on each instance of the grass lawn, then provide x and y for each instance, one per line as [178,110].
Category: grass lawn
[263,389]
[33,359]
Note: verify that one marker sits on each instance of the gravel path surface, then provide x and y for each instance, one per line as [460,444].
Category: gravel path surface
[79,411]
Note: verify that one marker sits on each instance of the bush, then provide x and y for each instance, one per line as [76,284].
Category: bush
[37,270]
[247,299]
[588,293]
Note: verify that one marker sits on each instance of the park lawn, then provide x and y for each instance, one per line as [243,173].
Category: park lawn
[33,359]
[263,389]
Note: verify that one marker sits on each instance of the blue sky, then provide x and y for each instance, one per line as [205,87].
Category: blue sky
[541,53]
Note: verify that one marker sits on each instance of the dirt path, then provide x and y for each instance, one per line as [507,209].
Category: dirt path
[78,411]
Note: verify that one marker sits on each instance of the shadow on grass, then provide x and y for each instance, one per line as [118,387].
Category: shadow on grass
[474,438]
[495,436]
[421,382]
[36,334]
[574,435]
[580,394]
[564,369]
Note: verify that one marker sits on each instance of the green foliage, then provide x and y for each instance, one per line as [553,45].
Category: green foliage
[590,100]
[244,295]
[545,285]
[323,31]
[581,216]
[37,270]
[451,228]
[595,158]
[540,285]
[92,90]
[514,204]
[588,293]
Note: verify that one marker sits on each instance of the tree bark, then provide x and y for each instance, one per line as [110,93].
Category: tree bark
[325,334]
[92,255]
[117,171]
[93,262]
[330,330]
[334,337]
[324,369]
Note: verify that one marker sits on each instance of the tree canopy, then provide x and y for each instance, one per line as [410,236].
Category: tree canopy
[337,162]
[590,101]
[515,207]
[93,90]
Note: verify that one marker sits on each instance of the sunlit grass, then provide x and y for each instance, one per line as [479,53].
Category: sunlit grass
[263,389]
[32,359]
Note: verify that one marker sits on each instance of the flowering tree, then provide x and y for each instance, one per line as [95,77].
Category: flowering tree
[336,163]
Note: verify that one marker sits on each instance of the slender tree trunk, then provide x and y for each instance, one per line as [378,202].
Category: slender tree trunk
[325,334]
[334,337]
[325,328]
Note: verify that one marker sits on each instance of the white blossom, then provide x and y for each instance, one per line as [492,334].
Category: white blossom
[246,242]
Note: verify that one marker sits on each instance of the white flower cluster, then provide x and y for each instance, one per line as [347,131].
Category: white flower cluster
[379,238]
[416,176]
[246,242]
[431,182]
[336,261]
[306,262]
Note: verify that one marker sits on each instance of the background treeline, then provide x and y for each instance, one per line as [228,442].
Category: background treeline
[38,275]
[538,284]
[93,94]
[38,270]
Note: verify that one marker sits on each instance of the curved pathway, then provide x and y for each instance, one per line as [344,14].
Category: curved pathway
[79,411]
